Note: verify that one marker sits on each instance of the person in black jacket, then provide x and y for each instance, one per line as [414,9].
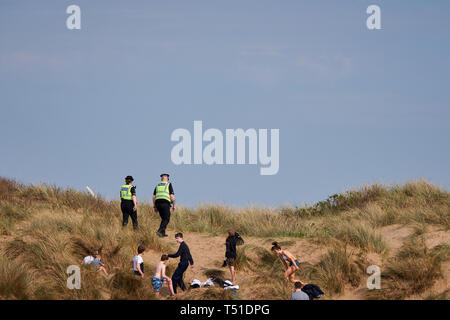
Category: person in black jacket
[230,252]
[128,202]
[185,259]
[163,199]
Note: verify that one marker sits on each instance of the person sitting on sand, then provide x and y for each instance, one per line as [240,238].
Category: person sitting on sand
[311,290]
[160,276]
[138,262]
[99,264]
[298,294]
[289,261]
[88,259]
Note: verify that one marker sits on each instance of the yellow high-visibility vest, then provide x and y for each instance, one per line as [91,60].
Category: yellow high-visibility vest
[125,192]
[162,191]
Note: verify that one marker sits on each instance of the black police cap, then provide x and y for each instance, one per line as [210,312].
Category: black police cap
[164,174]
[129,178]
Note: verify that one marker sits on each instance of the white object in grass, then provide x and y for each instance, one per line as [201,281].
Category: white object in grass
[90,191]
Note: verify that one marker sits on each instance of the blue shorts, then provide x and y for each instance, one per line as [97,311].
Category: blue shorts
[296,262]
[157,283]
[97,263]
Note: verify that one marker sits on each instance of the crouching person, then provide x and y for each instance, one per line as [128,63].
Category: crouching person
[160,276]
[298,294]
[138,262]
[306,291]
[97,262]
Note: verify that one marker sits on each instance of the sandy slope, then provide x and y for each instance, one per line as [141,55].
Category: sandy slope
[208,253]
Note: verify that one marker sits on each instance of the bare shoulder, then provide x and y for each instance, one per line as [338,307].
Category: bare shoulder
[289,254]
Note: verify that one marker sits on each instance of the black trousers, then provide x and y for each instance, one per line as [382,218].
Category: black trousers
[164,212]
[127,211]
[177,277]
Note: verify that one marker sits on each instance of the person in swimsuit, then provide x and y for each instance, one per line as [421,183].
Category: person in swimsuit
[160,276]
[289,261]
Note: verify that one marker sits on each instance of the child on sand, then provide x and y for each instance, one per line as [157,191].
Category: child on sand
[160,276]
[91,257]
[99,264]
[88,259]
[138,262]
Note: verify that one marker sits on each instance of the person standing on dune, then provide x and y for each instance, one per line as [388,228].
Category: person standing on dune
[185,260]
[128,202]
[163,198]
[232,240]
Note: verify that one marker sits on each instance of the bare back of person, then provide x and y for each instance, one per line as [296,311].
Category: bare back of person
[160,270]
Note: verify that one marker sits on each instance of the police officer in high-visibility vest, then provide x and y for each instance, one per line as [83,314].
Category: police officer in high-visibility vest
[128,202]
[163,198]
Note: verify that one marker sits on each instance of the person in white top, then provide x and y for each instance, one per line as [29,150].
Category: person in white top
[138,262]
[88,259]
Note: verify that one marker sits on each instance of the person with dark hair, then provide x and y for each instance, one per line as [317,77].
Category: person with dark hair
[231,253]
[185,259]
[289,261]
[91,257]
[128,202]
[298,294]
[97,262]
[138,262]
[163,198]
[160,276]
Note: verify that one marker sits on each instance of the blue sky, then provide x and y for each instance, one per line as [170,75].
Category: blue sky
[354,106]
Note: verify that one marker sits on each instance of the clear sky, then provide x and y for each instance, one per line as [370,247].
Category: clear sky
[353,106]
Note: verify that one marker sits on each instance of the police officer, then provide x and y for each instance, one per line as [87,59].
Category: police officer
[128,202]
[163,198]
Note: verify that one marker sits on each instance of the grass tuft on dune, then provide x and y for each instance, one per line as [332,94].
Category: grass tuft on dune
[45,229]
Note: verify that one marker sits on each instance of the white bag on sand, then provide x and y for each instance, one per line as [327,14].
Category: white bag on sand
[229,286]
[208,283]
[197,283]
[236,287]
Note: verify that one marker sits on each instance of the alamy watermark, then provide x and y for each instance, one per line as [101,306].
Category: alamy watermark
[373,22]
[74,279]
[374,281]
[250,144]
[73,22]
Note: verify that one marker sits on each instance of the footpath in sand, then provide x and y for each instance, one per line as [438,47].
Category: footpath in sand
[208,252]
